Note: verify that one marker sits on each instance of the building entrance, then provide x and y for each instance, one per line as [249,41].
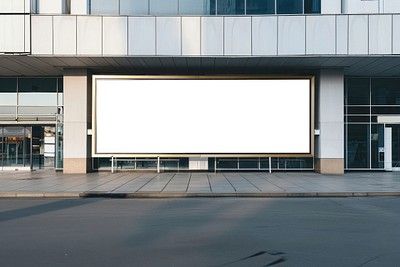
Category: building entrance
[15,148]
[30,147]
[392,147]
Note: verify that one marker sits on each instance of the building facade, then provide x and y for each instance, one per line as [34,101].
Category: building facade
[51,51]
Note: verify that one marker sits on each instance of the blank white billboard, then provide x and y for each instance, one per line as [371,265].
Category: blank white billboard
[215,116]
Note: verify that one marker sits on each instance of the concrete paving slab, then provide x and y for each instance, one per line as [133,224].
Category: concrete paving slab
[185,184]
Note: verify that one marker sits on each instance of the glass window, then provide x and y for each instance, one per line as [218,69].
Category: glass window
[104,7]
[37,99]
[385,91]
[357,90]
[213,7]
[8,85]
[33,85]
[163,7]
[358,145]
[260,7]
[312,6]
[230,7]
[60,85]
[289,6]
[194,7]
[8,92]
[134,7]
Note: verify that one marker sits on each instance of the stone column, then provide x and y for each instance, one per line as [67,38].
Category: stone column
[329,145]
[77,121]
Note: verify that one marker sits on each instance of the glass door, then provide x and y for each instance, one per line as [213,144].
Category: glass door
[1,148]
[395,147]
[15,148]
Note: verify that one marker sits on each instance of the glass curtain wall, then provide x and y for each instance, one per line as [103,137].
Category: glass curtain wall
[220,164]
[365,100]
[30,101]
[203,7]
[25,99]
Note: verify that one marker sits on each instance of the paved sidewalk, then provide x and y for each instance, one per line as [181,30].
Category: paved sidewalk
[186,184]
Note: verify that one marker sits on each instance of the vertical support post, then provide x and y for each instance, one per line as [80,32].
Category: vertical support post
[270,165]
[215,164]
[388,149]
[112,164]
[158,164]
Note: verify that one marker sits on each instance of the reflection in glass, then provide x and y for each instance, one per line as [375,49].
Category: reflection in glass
[385,91]
[37,99]
[8,85]
[396,146]
[60,146]
[230,7]
[134,7]
[194,7]
[104,7]
[60,85]
[260,7]
[357,90]
[312,6]
[8,98]
[377,143]
[164,7]
[358,145]
[37,111]
[37,85]
[289,6]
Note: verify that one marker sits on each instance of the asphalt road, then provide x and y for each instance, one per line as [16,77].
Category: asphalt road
[200,232]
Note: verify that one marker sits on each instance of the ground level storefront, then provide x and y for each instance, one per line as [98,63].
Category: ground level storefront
[47,121]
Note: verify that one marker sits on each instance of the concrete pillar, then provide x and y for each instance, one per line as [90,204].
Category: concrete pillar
[77,120]
[329,145]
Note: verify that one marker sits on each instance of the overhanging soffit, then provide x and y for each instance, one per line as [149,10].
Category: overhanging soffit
[53,66]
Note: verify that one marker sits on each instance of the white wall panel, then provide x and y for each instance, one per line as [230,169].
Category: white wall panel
[360,6]
[380,34]
[64,35]
[265,35]
[12,33]
[191,36]
[168,36]
[396,34]
[42,35]
[27,6]
[212,36]
[12,6]
[331,6]
[142,36]
[291,35]
[89,35]
[51,6]
[358,34]
[320,35]
[237,34]
[391,6]
[27,33]
[342,34]
[115,35]
[79,7]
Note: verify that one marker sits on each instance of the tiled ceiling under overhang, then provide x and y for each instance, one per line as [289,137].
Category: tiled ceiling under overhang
[382,66]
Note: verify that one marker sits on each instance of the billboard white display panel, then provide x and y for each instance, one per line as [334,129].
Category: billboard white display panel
[206,116]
